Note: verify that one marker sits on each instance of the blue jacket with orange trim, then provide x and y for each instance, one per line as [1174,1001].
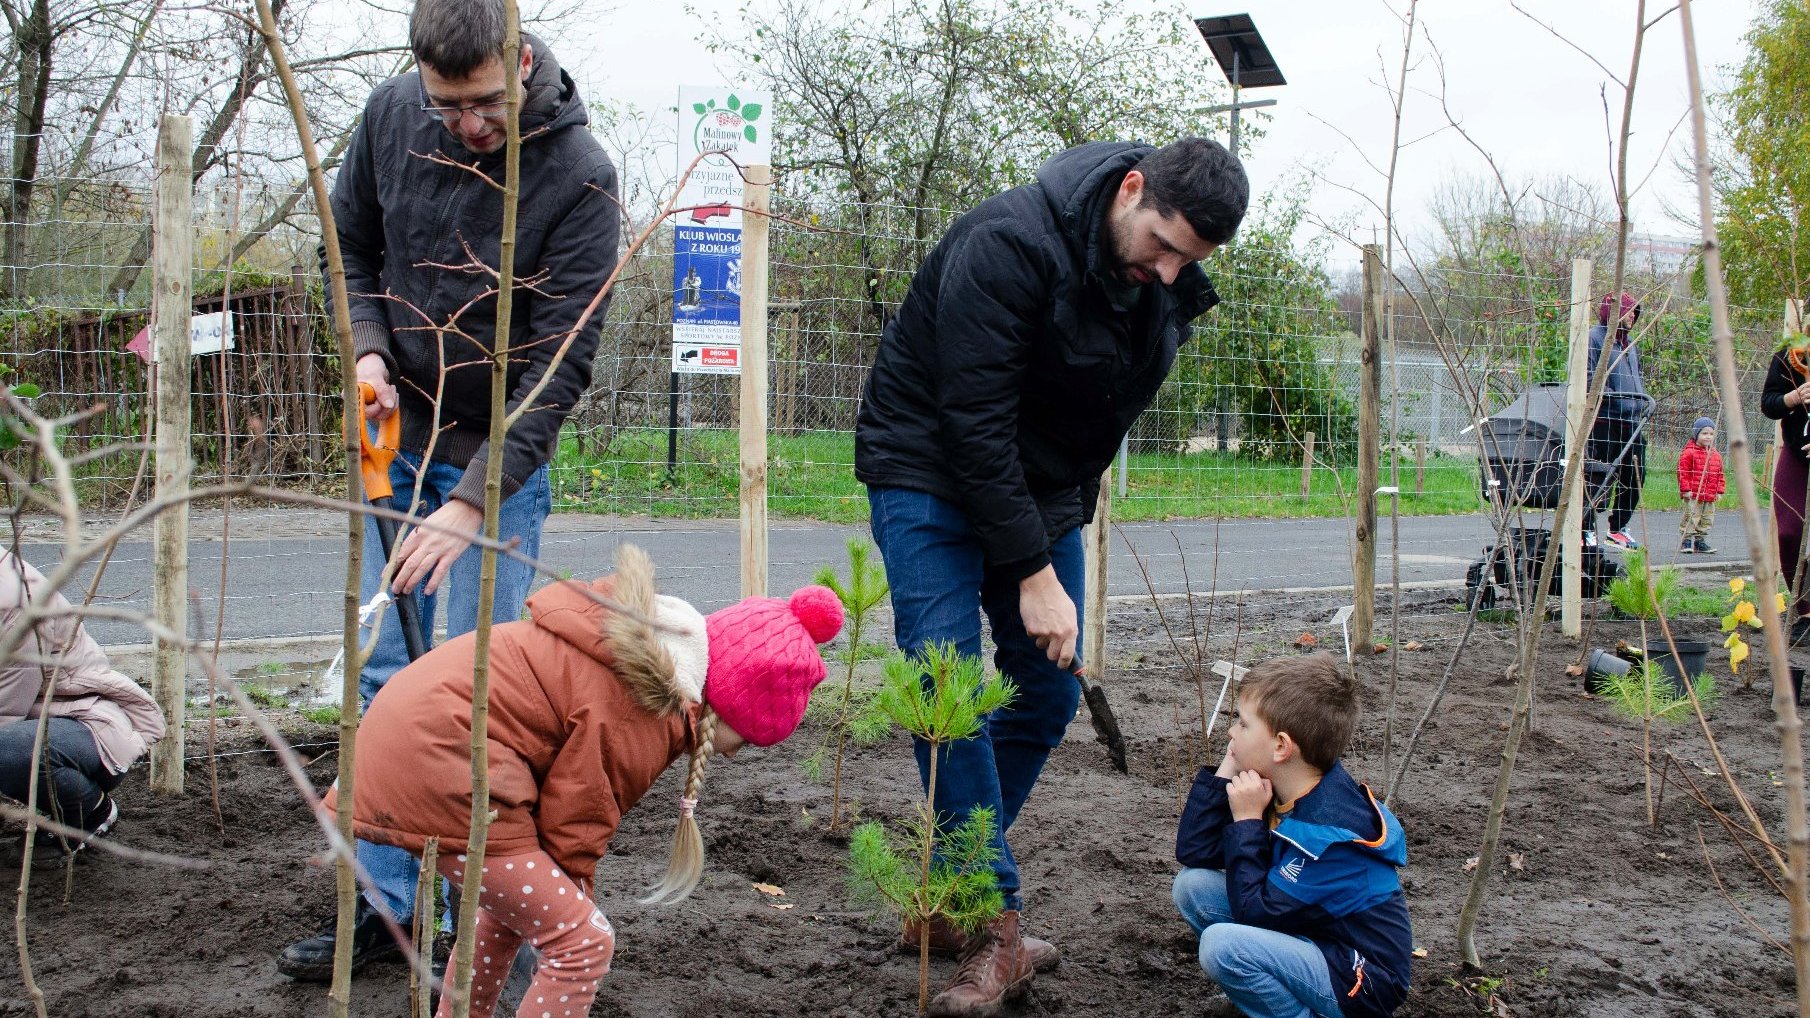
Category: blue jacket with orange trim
[1327,872]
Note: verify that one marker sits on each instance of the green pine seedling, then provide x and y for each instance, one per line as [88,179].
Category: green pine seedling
[927,871]
[865,589]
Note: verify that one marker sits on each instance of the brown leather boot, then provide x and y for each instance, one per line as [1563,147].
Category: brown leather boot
[994,969]
[948,941]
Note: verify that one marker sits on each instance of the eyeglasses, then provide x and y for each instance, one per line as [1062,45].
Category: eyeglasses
[495,109]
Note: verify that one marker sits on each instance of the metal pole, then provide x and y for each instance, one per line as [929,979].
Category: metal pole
[672,426]
[1236,88]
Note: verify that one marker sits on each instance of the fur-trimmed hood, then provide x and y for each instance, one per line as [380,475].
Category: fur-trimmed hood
[587,707]
[665,667]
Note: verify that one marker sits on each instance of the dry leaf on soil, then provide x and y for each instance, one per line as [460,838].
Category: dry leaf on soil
[770,889]
[1471,863]
[782,906]
[1574,670]
[1306,640]
[1419,952]
[1517,861]
[1497,1008]
[1414,645]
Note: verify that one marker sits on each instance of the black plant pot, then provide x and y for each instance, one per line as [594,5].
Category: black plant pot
[1692,656]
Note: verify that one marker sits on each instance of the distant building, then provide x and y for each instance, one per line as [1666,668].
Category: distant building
[1664,257]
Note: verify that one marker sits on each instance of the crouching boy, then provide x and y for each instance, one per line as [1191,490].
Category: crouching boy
[1289,864]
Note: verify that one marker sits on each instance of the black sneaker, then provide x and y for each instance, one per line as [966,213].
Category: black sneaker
[1703,547]
[1800,631]
[1687,546]
[56,850]
[311,960]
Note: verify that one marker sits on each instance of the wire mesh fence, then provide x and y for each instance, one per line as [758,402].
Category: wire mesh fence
[1275,363]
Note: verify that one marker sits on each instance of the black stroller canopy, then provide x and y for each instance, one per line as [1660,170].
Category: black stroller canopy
[1532,428]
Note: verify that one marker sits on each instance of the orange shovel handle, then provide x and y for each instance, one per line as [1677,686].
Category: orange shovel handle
[374,457]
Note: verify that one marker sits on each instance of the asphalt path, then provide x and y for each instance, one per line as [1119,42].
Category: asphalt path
[285,569]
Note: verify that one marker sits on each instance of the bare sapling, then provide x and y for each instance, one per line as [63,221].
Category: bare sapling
[860,596]
[930,870]
[347,884]
[1764,553]
[1534,611]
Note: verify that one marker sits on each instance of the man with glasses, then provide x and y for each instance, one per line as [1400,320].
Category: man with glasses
[420,229]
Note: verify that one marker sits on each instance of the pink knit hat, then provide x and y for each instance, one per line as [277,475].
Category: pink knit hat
[764,660]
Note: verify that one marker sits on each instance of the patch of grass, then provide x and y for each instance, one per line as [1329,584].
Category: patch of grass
[272,668]
[1696,602]
[322,715]
[267,698]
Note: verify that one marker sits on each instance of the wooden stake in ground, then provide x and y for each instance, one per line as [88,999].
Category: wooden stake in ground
[1577,430]
[1307,465]
[1370,422]
[172,253]
[754,382]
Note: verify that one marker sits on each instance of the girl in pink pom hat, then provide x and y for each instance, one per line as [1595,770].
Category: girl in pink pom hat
[587,708]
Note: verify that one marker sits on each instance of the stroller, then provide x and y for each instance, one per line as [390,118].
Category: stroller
[1524,466]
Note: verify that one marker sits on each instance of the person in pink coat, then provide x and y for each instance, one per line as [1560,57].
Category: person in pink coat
[100,721]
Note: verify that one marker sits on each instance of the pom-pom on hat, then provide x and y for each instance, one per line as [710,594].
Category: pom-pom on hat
[764,660]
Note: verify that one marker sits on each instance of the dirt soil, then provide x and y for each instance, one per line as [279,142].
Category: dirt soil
[1591,913]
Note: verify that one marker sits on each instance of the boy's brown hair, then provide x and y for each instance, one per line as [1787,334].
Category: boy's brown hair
[1311,698]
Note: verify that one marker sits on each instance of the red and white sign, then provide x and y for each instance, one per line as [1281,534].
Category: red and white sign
[701,359]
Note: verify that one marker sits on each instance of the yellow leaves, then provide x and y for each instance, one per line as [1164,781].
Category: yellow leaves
[1744,612]
[1738,651]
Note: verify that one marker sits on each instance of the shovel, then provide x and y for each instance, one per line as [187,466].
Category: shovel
[374,459]
[1106,726]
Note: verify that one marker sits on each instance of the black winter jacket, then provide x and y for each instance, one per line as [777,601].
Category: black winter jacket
[1794,422]
[1010,375]
[395,212]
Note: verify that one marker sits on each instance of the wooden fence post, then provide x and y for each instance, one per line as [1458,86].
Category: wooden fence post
[1420,467]
[1307,465]
[1579,369]
[172,305]
[754,382]
[1370,421]
[786,374]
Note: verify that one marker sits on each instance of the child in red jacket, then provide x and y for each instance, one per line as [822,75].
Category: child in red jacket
[1699,484]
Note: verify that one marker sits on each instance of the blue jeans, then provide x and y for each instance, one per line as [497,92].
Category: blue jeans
[940,586]
[1265,973]
[394,871]
[73,782]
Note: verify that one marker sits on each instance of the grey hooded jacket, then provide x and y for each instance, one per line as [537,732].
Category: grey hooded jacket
[404,223]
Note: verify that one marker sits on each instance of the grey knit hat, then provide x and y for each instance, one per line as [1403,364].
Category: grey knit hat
[1697,428]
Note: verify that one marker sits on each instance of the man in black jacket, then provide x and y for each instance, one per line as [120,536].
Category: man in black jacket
[417,233]
[1031,338]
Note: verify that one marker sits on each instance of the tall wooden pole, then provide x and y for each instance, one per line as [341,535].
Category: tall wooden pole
[1577,396]
[172,304]
[1370,422]
[1096,543]
[754,382]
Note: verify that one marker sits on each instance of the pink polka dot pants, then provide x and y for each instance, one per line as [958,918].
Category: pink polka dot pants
[528,897]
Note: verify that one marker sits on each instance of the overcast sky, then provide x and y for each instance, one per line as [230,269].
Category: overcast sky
[1524,94]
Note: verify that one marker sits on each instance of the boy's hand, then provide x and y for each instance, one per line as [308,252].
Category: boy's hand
[1228,768]
[1249,795]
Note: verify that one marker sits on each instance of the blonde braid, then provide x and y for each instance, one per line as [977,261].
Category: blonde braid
[686,866]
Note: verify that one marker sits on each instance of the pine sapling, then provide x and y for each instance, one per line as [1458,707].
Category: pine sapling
[927,872]
[865,589]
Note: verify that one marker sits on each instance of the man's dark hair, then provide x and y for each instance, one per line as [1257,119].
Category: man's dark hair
[1311,698]
[456,37]
[1197,179]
